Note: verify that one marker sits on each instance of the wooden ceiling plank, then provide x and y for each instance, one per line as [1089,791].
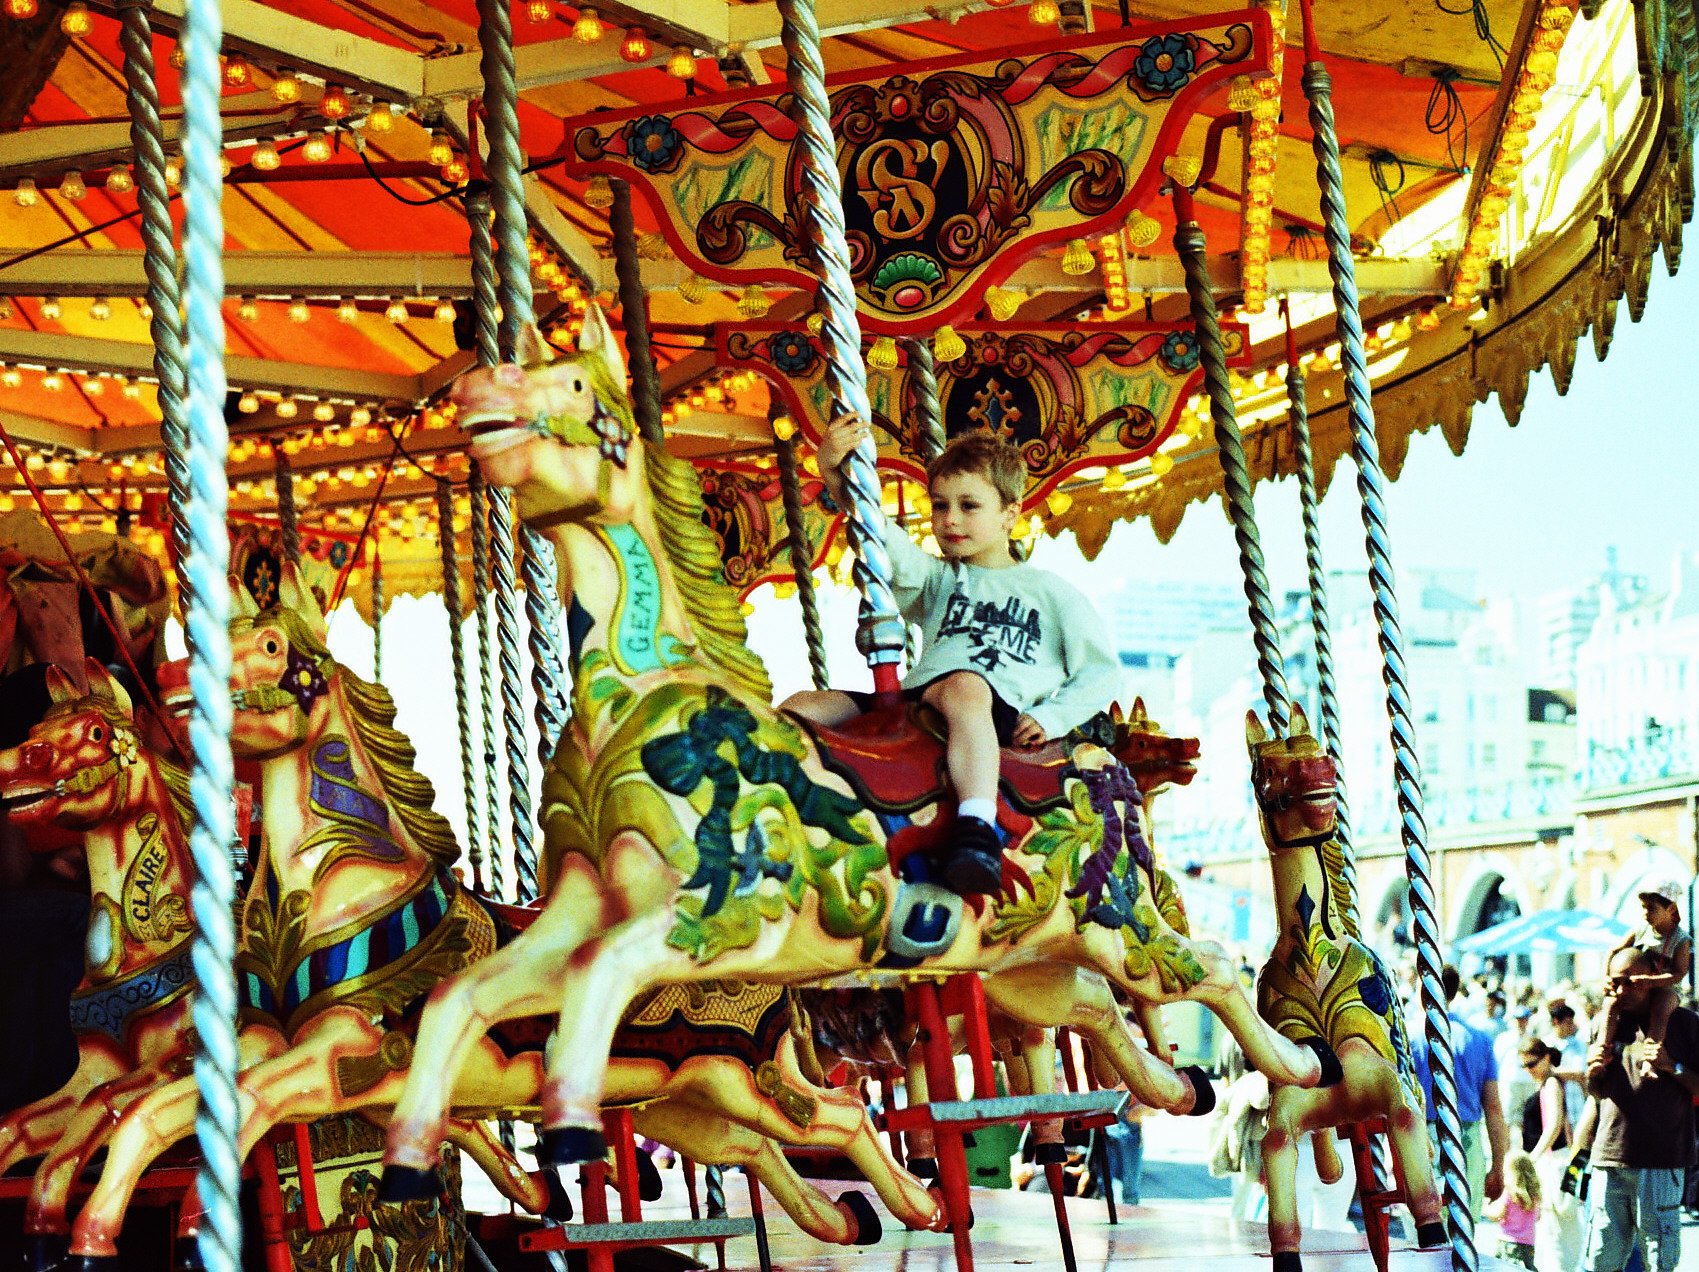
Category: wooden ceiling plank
[114,272]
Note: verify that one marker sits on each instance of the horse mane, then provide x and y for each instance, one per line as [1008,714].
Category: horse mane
[716,616]
[372,711]
[1339,881]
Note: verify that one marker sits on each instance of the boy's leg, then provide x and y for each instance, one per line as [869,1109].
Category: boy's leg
[975,863]
[829,707]
[1658,1010]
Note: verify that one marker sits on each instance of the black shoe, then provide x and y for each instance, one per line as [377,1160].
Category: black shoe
[975,861]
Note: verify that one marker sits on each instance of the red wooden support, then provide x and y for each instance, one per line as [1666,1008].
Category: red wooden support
[309,1181]
[1375,1198]
[689,1168]
[593,1184]
[964,996]
[616,1127]
[270,1203]
[939,1059]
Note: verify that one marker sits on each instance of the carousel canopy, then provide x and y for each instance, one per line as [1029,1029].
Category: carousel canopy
[1511,167]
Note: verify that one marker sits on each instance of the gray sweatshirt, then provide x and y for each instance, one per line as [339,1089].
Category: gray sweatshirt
[1034,637]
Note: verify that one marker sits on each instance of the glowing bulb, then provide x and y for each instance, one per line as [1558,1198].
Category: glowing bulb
[286,88]
[445,311]
[100,309]
[174,170]
[11,377]
[317,149]
[324,412]
[347,311]
[693,290]
[53,382]
[442,149]
[359,417]
[248,310]
[1043,13]
[396,312]
[76,20]
[334,103]
[589,28]
[1003,302]
[71,186]
[26,195]
[248,403]
[539,10]
[883,355]
[51,309]
[287,408]
[298,311]
[237,73]
[634,47]
[682,63]
[753,302]
[1161,464]
[120,180]
[947,344]
[599,194]
[21,8]
[454,171]
[265,157]
[132,390]
[1077,259]
[381,120]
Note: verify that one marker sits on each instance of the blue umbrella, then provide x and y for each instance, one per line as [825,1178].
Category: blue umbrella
[1546,932]
[1492,940]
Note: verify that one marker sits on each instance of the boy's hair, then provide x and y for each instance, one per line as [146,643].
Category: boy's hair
[983,452]
[1523,1180]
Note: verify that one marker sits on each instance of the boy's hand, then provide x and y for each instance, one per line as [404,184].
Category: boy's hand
[1028,733]
[843,435]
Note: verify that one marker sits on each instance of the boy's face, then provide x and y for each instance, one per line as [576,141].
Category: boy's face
[1661,915]
[970,520]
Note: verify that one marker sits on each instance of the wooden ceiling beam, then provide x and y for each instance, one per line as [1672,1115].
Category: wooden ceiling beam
[119,272]
[57,147]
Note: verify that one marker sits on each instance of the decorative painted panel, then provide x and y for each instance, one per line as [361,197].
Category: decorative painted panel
[743,505]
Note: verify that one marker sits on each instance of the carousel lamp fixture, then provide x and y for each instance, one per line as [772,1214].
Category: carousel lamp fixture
[682,63]
[71,187]
[1142,231]
[53,381]
[11,377]
[442,149]
[1115,298]
[1114,479]
[334,103]
[1044,13]
[174,170]
[359,417]
[815,322]
[396,311]
[539,11]
[589,27]
[265,157]
[1077,258]
[317,149]
[237,72]
[248,310]
[51,309]
[1003,302]
[132,390]
[653,246]
[248,403]
[599,194]
[1161,464]
[347,310]
[26,195]
[444,311]
[324,412]
[454,172]
[120,180]
[286,88]
[6,309]
[693,290]
[100,309]
[947,344]
[784,427]
[1058,502]
[94,385]
[287,409]
[752,302]
[1259,101]
[76,21]
[381,119]
[883,355]
[298,311]
[634,45]
[21,9]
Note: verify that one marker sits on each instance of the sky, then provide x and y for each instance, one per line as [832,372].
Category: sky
[1531,510]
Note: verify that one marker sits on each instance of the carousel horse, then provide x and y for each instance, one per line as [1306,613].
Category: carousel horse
[692,832]
[1321,981]
[84,770]
[353,914]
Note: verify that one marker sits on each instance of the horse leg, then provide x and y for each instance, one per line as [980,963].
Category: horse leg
[1063,995]
[1038,1052]
[920,1143]
[1407,1132]
[33,1129]
[146,1129]
[1287,1121]
[85,1132]
[517,980]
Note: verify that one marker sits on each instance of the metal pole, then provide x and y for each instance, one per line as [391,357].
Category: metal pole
[207,565]
[802,557]
[1365,452]
[923,373]
[1235,473]
[284,479]
[377,612]
[457,656]
[634,315]
[486,668]
[880,635]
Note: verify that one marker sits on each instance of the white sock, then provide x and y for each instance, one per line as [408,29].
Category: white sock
[984,809]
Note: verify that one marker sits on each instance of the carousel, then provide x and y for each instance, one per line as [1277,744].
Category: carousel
[546,310]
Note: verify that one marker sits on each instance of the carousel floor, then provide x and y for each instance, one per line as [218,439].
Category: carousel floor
[1018,1230]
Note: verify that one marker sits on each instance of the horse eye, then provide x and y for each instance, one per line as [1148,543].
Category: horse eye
[578,386]
[271,646]
[97,734]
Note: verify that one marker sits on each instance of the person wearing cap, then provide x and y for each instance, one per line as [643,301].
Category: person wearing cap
[1669,951]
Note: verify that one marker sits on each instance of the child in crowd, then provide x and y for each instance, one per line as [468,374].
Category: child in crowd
[1665,938]
[1517,1210]
[1013,655]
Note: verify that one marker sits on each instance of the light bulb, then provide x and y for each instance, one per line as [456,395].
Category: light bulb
[93,385]
[174,170]
[52,382]
[947,344]
[1003,302]
[589,28]
[145,310]
[248,310]
[634,47]
[883,355]
[317,149]
[1043,13]
[359,417]
[347,311]
[51,309]
[324,412]
[396,311]
[6,310]
[237,73]
[120,180]
[753,302]
[21,9]
[11,377]
[286,88]
[599,194]
[381,120]
[334,103]
[248,403]
[442,149]
[100,309]
[298,311]
[454,171]
[1077,258]
[76,20]
[71,187]
[539,10]
[26,194]
[693,290]
[132,390]
[445,311]
[265,157]
[682,63]
[287,408]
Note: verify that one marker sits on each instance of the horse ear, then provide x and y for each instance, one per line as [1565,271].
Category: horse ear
[1300,727]
[1140,716]
[533,348]
[597,340]
[1255,734]
[60,686]
[299,600]
[104,684]
[241,600]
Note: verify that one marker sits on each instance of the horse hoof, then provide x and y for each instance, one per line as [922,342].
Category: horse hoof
[569,1145]
[1287,1261]
[559,1207]
[1332,1072]
[868,1229]
[46,1251]
[923,1168]
[1203,1090]
[648,1178]
[1431,1236]
[407,1183]
[1047,1154]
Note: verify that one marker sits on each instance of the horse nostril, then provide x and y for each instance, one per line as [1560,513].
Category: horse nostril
[37,757]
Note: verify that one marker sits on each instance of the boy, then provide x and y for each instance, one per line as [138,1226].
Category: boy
[1665,939]
[1013,655]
